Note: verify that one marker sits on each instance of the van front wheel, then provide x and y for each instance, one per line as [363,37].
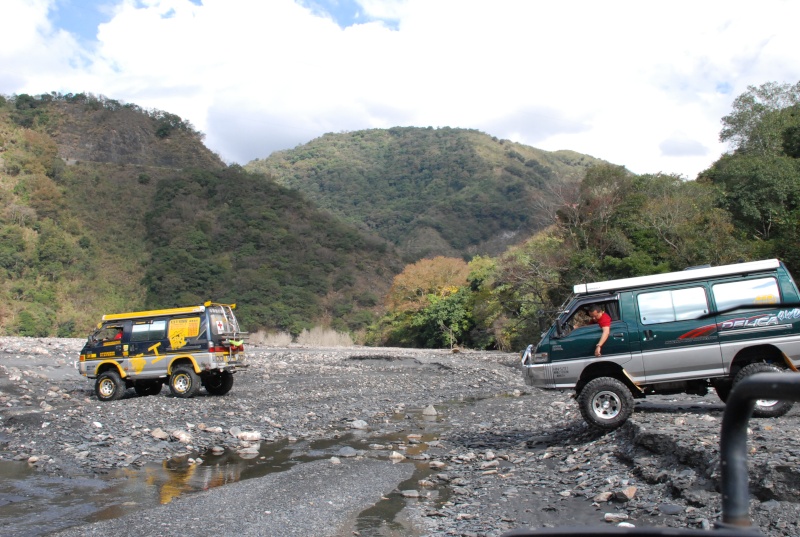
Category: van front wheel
[605,403]
[184,382]
[109,387]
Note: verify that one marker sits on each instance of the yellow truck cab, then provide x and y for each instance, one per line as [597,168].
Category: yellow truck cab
[185,348]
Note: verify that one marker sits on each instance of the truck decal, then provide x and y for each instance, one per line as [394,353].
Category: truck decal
[756,321]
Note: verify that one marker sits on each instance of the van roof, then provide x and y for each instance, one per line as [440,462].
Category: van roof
[682,276]
[153,313]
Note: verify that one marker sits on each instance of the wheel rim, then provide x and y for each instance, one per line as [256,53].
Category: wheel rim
[606,405]
[766,403]
[106,388]
[182,383]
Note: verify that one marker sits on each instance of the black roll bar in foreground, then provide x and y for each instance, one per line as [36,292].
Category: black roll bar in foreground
[733,459]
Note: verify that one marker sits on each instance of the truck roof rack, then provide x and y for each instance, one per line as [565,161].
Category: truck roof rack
[670,277]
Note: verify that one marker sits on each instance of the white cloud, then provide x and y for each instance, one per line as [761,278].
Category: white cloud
[642,84]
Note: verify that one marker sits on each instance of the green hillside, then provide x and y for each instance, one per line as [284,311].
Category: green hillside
[429,191]
[108,207]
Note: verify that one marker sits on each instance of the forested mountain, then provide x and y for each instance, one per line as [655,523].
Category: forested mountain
[429,191]
[107,207]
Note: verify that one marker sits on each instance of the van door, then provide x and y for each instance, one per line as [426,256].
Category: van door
[578,340]
[147,347]
[675,344]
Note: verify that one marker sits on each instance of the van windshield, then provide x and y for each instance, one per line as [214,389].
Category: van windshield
[107,333]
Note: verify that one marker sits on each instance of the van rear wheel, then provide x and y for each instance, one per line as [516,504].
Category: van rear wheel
[605,403]
[765,408]
[184,382]
[218,383]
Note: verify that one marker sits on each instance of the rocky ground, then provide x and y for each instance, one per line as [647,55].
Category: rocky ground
[488,454]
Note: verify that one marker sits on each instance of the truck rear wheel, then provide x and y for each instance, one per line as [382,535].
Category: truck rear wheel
[605,403]
[765,408]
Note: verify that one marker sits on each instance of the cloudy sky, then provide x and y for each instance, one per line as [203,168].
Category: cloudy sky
[638,83]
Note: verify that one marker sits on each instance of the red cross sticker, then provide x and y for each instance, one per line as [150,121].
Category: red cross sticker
[220,326]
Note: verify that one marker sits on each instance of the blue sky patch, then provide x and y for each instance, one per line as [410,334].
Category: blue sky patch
[344,12]
[80,17]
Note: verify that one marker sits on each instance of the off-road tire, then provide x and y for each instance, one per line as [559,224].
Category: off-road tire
[148,387]
[605,403]
[765,408]
[109,386]
[218,383]
[184,382]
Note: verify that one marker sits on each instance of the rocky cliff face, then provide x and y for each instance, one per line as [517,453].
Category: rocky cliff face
[126,136]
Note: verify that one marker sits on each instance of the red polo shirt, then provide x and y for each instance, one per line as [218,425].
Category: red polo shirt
[604,320]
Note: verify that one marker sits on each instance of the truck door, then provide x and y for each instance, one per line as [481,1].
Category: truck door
[675,344]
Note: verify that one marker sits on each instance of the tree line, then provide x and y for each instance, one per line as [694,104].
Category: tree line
[614,224]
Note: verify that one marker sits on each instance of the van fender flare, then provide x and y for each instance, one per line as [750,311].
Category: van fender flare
[789,363]
[116,366]
[759,353]
[182,358]
[608,369]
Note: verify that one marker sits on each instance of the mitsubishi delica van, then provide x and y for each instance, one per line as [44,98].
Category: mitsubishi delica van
[182,347]
[681,332]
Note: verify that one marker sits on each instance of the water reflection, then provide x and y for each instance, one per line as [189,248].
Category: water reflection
[33,504]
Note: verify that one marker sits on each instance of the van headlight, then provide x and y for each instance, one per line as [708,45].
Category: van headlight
[541,358]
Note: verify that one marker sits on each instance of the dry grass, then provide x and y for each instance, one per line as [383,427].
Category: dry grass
[270,339]
[316,337]
[324,337]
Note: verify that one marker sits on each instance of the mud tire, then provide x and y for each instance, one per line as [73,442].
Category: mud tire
[109,386]
[184,382]
[605,403]
[218,383]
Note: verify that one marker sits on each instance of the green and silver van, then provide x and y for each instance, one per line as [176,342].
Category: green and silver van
[680,332]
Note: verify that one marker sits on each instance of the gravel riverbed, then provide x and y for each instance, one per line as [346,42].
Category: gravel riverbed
[456,439]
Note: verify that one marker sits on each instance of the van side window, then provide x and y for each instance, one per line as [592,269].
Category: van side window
[674,305]
[760,291]
[149,331]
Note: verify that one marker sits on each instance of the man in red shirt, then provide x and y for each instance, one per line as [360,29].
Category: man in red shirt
[603,319]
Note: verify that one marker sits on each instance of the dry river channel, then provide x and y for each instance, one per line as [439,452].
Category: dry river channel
[361,441]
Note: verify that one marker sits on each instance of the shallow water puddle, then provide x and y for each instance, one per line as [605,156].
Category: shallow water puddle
[33,504]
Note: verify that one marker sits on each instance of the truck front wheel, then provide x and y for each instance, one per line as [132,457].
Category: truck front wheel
[605,403]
